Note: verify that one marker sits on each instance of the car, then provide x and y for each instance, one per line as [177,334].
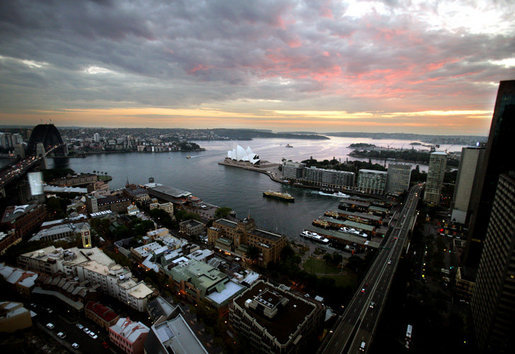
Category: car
[362,346]
[94,336]
[389,261]
[372,304]
[86,330]
[49,310]
[362,290]
[61,335]
[79,326]
[91,334]
[50,325]
[75,346]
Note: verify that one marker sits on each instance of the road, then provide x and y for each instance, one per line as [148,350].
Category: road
[20,168]
[354,330]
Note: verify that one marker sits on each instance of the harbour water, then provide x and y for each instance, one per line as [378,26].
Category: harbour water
[238,189]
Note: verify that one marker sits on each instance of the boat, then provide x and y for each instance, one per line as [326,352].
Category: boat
[188,157]
[288,146]
[336,195]
[277,195]
[314,236]
[321,223]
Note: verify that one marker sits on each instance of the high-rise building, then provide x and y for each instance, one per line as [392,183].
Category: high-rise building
[496,161]
[96,138]
[471,161]
[492,305]
[372,181]
[398,178]
[435,175]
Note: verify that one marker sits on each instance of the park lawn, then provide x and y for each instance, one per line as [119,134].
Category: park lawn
[345,279]
[319,266]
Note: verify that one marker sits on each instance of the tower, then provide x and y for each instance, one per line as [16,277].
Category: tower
[435,175]
[85,234]
[470,162]
[492,305]
[496,161]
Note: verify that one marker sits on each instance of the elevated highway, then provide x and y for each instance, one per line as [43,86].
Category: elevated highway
[357,324]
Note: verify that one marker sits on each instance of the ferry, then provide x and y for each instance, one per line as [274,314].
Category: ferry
[314,236]
[336,195]
[281,196]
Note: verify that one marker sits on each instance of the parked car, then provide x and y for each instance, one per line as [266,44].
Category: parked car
[79,326]
[75,346]
[61,335]
[86,330]
[50,325]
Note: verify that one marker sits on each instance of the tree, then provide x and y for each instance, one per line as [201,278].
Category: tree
[222,212]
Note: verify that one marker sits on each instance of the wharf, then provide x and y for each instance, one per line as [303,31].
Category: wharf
[268,168]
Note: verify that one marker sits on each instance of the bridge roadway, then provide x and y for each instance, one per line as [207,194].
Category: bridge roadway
[359,320]
[19,168]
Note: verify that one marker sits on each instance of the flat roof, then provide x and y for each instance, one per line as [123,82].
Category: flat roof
[177,337]
[221,297]
[288,318]
[373,171]
[266,234]
[226,222]
[171,191]
[141,291]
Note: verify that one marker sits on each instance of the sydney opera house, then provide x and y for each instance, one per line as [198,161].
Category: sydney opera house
[240,154]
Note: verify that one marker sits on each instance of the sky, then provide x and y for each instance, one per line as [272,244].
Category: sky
[430,67]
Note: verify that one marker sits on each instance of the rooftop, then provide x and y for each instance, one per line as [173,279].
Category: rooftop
[141,291]
[373,171]
[177,337]
[289,316]
[171,191]
[130,330]
[222,297]
[13,212]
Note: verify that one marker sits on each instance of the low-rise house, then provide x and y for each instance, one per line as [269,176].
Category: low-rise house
[129,336]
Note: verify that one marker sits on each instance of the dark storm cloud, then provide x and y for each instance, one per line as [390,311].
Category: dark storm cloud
[192,52]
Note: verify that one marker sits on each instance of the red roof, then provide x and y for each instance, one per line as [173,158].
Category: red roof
[101,311]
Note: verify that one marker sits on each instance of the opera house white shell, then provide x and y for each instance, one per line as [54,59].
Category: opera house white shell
[240,154]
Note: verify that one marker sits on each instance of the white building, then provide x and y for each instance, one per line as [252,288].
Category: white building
[93,265]
[240,154]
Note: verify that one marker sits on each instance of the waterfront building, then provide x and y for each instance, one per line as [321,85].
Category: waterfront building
[24,219]
[293,170]
[320,177]
[496,161]
[372,181]
[435,175]
[398,178]
[274,320]
[129,336]
[13,317]
[174,336]
[492,300]
[471,160]
[96,138]
[102,315]
[136,193]
[240,154]
[75,180]
[236,238]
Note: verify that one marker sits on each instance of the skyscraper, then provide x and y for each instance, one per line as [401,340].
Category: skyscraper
[398,178]
[471,160]
[497,160]
[493,298]
[435,174]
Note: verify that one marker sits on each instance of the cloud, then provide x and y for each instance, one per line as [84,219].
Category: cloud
[366,56]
